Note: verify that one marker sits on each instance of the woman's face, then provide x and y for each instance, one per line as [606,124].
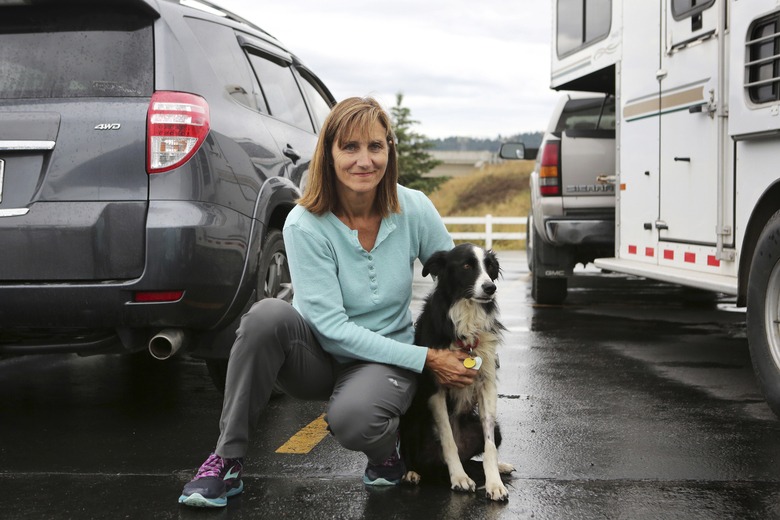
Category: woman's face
[360,160]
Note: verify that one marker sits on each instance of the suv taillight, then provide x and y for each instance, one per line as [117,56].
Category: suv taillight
[549,183]
[176,126]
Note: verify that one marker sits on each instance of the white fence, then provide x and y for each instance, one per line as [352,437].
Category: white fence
[488,235]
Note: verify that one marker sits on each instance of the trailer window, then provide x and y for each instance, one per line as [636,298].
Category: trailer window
[685,8]
[763,60]
[581,23]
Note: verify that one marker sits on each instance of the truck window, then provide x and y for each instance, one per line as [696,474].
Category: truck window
[763,64]
[587,114]
[581,23]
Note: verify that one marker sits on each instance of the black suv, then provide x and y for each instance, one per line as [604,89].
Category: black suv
[149,154]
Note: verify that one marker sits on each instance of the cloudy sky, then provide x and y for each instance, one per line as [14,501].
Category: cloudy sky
[465,67]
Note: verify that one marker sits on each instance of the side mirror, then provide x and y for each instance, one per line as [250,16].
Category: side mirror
[512,151]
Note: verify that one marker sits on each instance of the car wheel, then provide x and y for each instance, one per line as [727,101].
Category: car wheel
[273,281]
[529,241]
[273,271]
[546,291]
[763,312]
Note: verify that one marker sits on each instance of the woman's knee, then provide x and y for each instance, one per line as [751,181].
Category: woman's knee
[353,425]
[264,317]
[260,326]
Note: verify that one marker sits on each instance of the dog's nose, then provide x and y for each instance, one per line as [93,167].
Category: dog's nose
[489,287]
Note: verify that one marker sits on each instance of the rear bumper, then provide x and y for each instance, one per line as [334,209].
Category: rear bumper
[198,248]
[568,232]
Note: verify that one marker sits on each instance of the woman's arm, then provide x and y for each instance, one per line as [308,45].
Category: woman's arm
[318,296]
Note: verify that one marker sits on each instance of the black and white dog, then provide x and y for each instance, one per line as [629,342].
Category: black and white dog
[444,427]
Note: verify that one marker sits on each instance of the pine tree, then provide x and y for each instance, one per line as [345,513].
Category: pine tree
[413,158]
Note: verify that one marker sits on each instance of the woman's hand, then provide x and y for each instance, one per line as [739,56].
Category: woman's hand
[447,367]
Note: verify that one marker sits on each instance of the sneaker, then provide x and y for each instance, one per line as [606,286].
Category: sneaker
[217,480]
[388,473]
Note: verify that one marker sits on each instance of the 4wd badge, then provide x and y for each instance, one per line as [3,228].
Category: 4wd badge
[108,126]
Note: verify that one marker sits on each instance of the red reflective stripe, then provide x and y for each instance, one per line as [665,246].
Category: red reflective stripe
[690,258]
[157,296]
[668,254]
[632,250]
[714,262]
[649,251]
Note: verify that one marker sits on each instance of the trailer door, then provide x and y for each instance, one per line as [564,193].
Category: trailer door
[689,139]
[638,92]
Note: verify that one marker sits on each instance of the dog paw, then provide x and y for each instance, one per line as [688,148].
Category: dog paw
[462,483]
[496,492]
[505,469]
[412,477]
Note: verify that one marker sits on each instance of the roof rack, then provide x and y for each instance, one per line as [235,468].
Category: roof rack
[207,6]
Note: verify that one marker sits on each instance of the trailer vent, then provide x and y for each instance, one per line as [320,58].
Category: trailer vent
[762,62]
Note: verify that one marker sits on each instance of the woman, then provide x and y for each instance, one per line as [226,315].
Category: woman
[351,243]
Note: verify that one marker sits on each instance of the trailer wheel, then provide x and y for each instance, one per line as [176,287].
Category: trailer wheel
[763,312]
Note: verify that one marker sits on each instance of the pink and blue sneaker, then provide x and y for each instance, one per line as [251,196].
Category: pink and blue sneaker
[217,480]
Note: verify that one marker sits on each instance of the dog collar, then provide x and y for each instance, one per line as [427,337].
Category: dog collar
[468,347]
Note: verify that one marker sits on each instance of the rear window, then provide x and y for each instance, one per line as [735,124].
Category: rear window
[68,53]
[587,114]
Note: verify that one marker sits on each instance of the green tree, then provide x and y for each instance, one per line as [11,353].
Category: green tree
[413,158]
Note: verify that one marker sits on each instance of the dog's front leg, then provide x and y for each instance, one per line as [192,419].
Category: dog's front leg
[494,487]
[458,478]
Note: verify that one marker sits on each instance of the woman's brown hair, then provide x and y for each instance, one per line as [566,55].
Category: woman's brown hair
[347,117]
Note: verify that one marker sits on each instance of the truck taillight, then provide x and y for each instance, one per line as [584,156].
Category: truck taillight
[176,126]
[549,180]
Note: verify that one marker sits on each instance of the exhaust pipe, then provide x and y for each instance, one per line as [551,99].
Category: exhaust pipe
[166,343]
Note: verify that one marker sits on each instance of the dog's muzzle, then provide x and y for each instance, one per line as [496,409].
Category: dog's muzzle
[486,293]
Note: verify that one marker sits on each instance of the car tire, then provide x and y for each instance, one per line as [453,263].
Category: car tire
[273,270]
[763,312]
[273,281]
[529,241]
[548,291]
[545,291]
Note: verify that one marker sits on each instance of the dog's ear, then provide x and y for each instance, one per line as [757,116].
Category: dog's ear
[491,264]
[435,264]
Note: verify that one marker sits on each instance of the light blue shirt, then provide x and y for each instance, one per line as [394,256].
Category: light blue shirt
[357,301]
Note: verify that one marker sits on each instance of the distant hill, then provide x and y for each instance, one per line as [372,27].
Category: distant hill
[530,139]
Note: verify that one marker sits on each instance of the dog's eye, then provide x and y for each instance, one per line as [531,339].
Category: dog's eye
[467,266]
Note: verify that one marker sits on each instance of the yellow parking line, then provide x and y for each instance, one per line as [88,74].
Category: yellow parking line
[307,438]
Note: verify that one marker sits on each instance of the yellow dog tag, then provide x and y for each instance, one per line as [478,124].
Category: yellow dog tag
[473,362]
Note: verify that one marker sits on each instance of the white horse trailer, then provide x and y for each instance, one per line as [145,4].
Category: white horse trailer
[697,86]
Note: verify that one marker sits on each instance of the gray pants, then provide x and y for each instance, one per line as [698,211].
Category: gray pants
[274,344]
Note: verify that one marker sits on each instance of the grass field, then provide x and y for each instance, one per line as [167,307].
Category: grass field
[495,189]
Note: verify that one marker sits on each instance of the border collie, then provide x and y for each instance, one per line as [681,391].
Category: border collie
[445,427]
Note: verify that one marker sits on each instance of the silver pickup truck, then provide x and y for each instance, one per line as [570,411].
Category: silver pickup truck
[572,218]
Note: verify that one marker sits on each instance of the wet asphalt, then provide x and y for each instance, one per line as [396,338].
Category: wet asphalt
[634,399]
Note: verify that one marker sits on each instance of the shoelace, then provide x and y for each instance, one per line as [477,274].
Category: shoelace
[212,467]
